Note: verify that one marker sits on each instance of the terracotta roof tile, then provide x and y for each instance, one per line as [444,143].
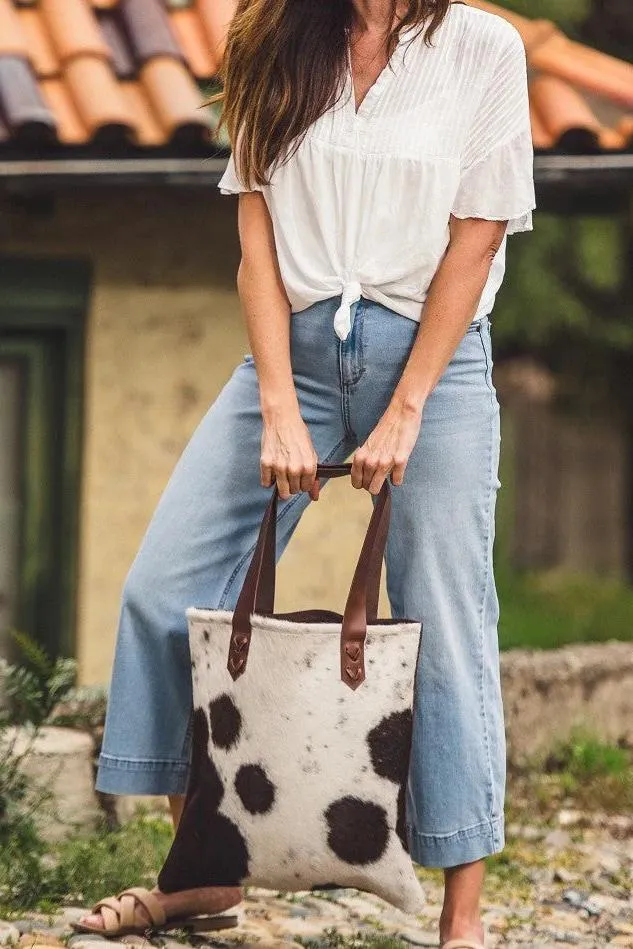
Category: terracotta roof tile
[70,128]
[175,97]
[41,52]
[540,135]
[97,96]
[611,140]
[564,113]
[73,29]
[149,130]
[13,41]
[148,28]
[24,110]
[103,72]
[574,88]
[216,16]
[114,34]
[625,128]
[125,72]
[191,36]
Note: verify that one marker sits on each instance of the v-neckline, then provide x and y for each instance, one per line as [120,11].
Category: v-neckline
[386,74]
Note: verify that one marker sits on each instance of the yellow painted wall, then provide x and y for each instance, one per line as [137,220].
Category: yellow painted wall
[164,332]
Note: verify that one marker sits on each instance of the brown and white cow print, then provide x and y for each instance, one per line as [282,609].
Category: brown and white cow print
[298,782]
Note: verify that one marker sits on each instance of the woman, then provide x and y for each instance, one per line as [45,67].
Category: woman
[382,151]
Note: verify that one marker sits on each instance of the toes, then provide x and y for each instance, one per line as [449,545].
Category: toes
[93,920]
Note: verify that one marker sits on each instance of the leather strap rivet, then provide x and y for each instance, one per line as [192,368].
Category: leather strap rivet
[257,595]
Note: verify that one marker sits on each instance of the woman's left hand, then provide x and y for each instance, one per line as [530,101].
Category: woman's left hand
[388,448]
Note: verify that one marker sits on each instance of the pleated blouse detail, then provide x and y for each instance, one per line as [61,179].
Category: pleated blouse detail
[363,206]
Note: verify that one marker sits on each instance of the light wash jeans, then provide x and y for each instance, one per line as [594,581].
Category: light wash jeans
[439,569]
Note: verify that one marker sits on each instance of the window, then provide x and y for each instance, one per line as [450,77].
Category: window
[42,307]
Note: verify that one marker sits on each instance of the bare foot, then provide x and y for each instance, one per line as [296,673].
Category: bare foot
[207,901]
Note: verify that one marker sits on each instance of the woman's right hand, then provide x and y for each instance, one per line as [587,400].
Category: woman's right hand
[288,456]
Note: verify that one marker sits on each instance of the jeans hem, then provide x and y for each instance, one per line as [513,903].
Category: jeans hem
[146,777]
[455,849]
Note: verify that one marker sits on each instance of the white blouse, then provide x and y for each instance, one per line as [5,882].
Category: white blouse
[363,206]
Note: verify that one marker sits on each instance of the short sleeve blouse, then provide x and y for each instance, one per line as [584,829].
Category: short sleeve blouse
[363,206]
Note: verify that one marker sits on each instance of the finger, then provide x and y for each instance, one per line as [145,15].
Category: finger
[315,490]
[369,470]
[283,487]
[397,475]
[378,480]
[307,479]
[266,473]
[357,469]
[294,480]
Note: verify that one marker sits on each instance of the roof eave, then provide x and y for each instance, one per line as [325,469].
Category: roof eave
[603,172]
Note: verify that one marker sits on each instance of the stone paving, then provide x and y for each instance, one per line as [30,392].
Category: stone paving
[566,884]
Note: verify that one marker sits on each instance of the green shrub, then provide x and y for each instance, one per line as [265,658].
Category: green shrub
[90,866]
[551,609]
[585,757]
[30,691]
[333,939]
[33,688]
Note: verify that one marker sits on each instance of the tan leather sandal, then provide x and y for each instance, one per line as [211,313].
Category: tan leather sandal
[118,915]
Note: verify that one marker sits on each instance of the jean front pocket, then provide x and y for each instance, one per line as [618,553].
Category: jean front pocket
[477,324]
[485,337]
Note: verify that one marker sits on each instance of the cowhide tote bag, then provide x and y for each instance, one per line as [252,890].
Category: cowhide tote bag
[301,738]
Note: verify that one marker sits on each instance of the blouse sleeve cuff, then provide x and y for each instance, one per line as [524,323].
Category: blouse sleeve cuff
[516,224]
[500,187]
[230,183]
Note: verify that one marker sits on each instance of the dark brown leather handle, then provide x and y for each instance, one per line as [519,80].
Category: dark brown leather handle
[258,591]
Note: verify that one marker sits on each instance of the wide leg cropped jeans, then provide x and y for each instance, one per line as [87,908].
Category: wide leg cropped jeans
[439,569]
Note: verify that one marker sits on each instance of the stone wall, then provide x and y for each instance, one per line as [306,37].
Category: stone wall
[548,694]
[164,332]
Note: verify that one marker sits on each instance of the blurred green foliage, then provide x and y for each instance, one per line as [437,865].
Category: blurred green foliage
[87,866]
[567,296]
[83,868]
[584,757]
[605,24]
[567,13]
[548,610]
[30,690]
[567,301]
[563,276]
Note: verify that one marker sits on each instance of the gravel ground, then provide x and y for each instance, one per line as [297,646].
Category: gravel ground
[565,884]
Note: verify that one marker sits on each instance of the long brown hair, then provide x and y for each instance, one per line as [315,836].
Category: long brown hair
[283,67]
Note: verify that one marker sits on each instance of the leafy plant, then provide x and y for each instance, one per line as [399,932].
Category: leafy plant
[585,757]
[333,939]
[34,687]
[582,773]
[90,865]
[29,693]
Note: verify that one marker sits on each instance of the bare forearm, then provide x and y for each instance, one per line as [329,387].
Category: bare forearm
[265,305]
[450,307]
[267,317]
[287,455]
